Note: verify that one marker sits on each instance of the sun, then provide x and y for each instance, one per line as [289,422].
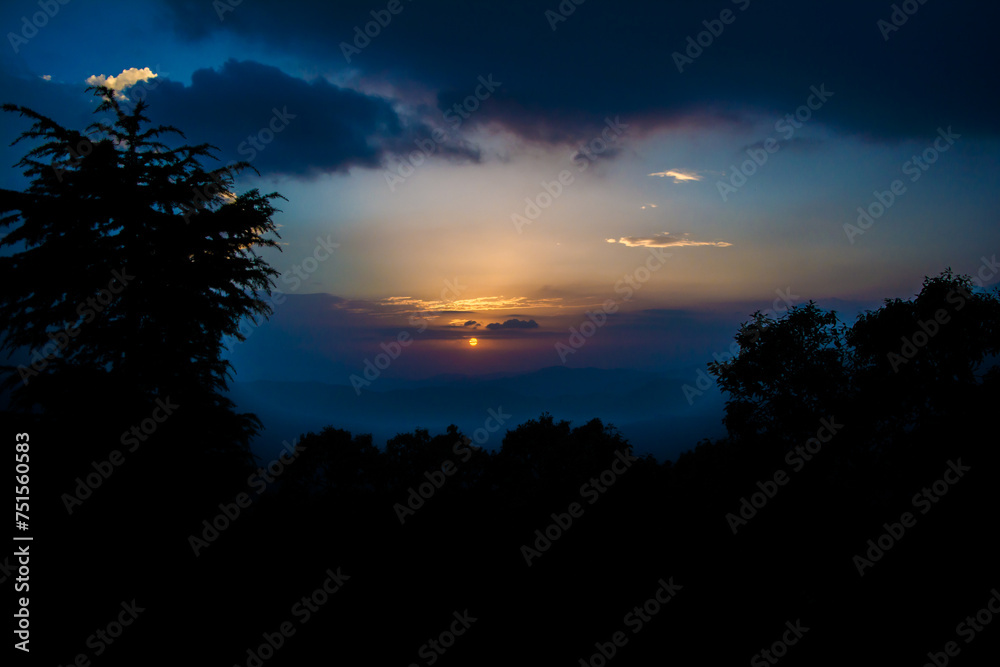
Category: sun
[473,342]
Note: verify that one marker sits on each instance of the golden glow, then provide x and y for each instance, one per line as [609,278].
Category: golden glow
[473,342]
[480,304]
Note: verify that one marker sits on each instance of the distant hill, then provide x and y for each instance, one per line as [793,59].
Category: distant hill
[650,409]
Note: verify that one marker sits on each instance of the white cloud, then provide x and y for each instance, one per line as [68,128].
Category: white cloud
[127,78]
[665,240]
[679,175]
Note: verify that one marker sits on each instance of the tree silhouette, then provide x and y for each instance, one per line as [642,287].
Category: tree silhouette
[897,366]
[133,262]
[788,372]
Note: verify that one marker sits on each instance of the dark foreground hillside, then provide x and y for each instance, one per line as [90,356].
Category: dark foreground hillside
[850,517]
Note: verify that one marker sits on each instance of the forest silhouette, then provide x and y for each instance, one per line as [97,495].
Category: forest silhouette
[557,543]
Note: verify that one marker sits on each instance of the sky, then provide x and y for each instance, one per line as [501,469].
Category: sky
[589,184]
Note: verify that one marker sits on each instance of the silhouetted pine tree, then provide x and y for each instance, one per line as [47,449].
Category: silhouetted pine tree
[117,210]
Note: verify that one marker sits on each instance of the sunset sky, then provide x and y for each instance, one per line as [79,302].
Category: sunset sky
[501,169]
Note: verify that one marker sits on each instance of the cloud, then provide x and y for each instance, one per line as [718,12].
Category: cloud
[285,124]
[409,304]
[127,78]
[543,99]
[679,175]
[665,240]
[513,324]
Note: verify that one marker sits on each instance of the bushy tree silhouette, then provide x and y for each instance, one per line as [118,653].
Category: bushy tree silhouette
[788,372]
[126,262]
[543,458]
[331,463]
[132,262]
[929,352]
[896,366]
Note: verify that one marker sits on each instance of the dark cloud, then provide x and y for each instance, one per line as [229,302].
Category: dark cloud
[257,113]
[798,144]
[283,124]
[617,58]
[513,324]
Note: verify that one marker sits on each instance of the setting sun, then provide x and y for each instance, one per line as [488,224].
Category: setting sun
[473,342]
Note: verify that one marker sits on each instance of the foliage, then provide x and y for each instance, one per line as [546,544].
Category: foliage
[134,257]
